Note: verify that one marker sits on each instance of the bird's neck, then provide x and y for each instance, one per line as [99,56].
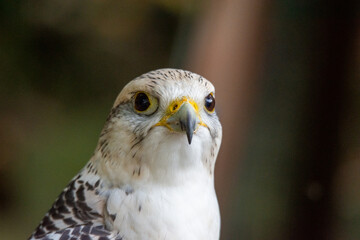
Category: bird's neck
[166,169]
[168,160]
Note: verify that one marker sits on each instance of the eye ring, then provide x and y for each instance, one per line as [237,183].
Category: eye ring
[144,103]
[210,103]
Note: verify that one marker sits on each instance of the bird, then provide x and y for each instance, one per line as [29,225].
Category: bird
[151,175]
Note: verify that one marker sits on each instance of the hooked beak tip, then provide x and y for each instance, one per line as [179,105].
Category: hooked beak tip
[189,135]
[190,126]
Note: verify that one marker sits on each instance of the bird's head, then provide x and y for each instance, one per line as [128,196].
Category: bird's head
[162,122]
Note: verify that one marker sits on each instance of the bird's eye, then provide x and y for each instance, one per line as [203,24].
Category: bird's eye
[144,103]
[210,103]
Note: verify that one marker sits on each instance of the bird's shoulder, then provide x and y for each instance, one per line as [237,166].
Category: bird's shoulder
[80,204]
[87,231]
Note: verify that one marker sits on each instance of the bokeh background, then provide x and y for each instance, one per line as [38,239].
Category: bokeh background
[288,94]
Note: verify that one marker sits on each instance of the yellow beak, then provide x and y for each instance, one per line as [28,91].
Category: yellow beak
[182,116]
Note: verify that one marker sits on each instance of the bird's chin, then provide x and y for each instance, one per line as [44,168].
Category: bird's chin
[180,138]
[167,146]
[165,136]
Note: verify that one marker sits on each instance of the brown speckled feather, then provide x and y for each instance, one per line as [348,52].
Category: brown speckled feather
[77,213]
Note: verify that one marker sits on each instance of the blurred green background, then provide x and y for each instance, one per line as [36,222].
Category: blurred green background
[288,94]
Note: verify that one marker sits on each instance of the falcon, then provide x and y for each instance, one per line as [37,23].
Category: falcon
[152,172]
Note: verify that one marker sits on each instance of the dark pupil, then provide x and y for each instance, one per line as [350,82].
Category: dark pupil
[142,102]
[210,102]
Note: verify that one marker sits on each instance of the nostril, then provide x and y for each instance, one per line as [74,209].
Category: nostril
[182,126]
